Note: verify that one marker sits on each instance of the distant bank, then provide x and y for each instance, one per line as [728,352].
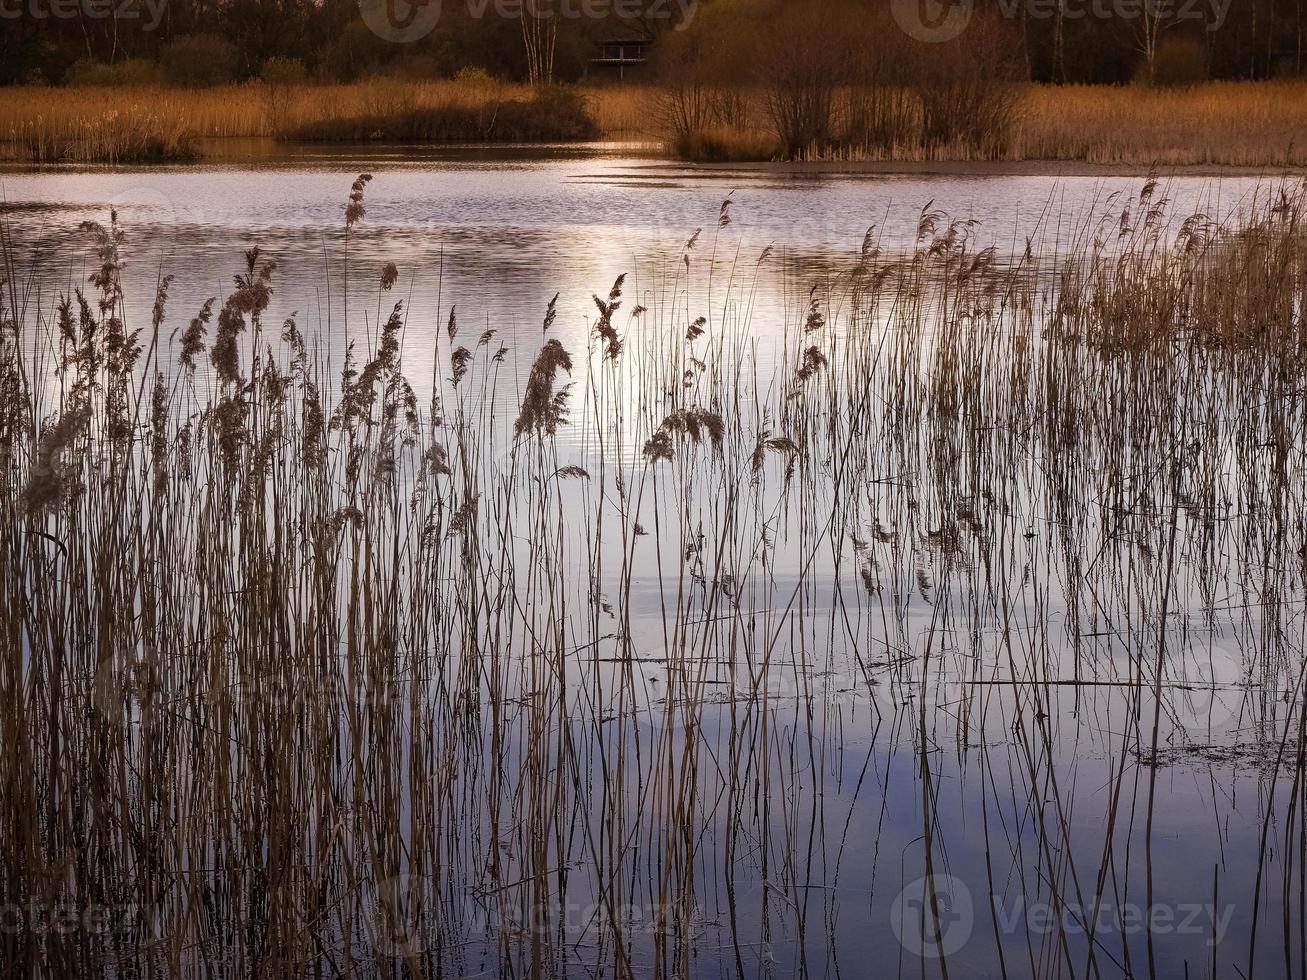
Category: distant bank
[1217,126]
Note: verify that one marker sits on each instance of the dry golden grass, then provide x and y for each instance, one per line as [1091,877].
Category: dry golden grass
[134,135]
[251,109]
[724,144]
[623,111]
[1249,124]
[226,111]
[1239,124]
[105,124]
[1262,124]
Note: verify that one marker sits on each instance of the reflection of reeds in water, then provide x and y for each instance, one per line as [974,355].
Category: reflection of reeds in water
[300,675]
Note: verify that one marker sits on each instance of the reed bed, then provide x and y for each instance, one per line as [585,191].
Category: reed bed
[682,654]
[133,134]
[102,124]
[241,110]
[1238,124]
[49,125]
[1254,124]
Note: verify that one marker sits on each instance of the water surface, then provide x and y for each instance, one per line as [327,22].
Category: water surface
[959,680]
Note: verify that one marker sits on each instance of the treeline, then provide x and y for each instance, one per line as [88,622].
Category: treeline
[1170,40]
[1051,41]
[837,77]
[201,42]
[210,41]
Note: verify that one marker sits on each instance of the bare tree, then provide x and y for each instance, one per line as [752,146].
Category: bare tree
[802,61]
[540,37]
[1155,16]
[703,70]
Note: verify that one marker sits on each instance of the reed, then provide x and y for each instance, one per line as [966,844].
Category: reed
[1242,124]
[131,136]
[158,124]
[314,666]
[547,115]
[1235,124]
[1250,125]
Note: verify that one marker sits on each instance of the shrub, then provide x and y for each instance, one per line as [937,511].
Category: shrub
[199,59]
[414,66]
[700,70]
[723,144]
[131,71]
[879,111]
[1180,61]
[474,75]
[279,76]
[802,61]
[351,54]
[283,71]
[968,91]
[552,114]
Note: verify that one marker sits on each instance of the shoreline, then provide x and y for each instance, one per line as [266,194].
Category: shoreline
[1210,129]
[644,155]
[994,168]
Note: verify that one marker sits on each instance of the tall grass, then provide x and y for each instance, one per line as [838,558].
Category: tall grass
[131,135]
[1242,124]
[312,667]
[547,115]
[1252,125]
[1260,124]
[152,123]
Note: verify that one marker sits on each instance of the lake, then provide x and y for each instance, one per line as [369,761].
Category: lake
[923,608]
[498,232]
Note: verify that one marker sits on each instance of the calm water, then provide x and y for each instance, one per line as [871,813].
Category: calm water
[498,233]
[1012,808]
